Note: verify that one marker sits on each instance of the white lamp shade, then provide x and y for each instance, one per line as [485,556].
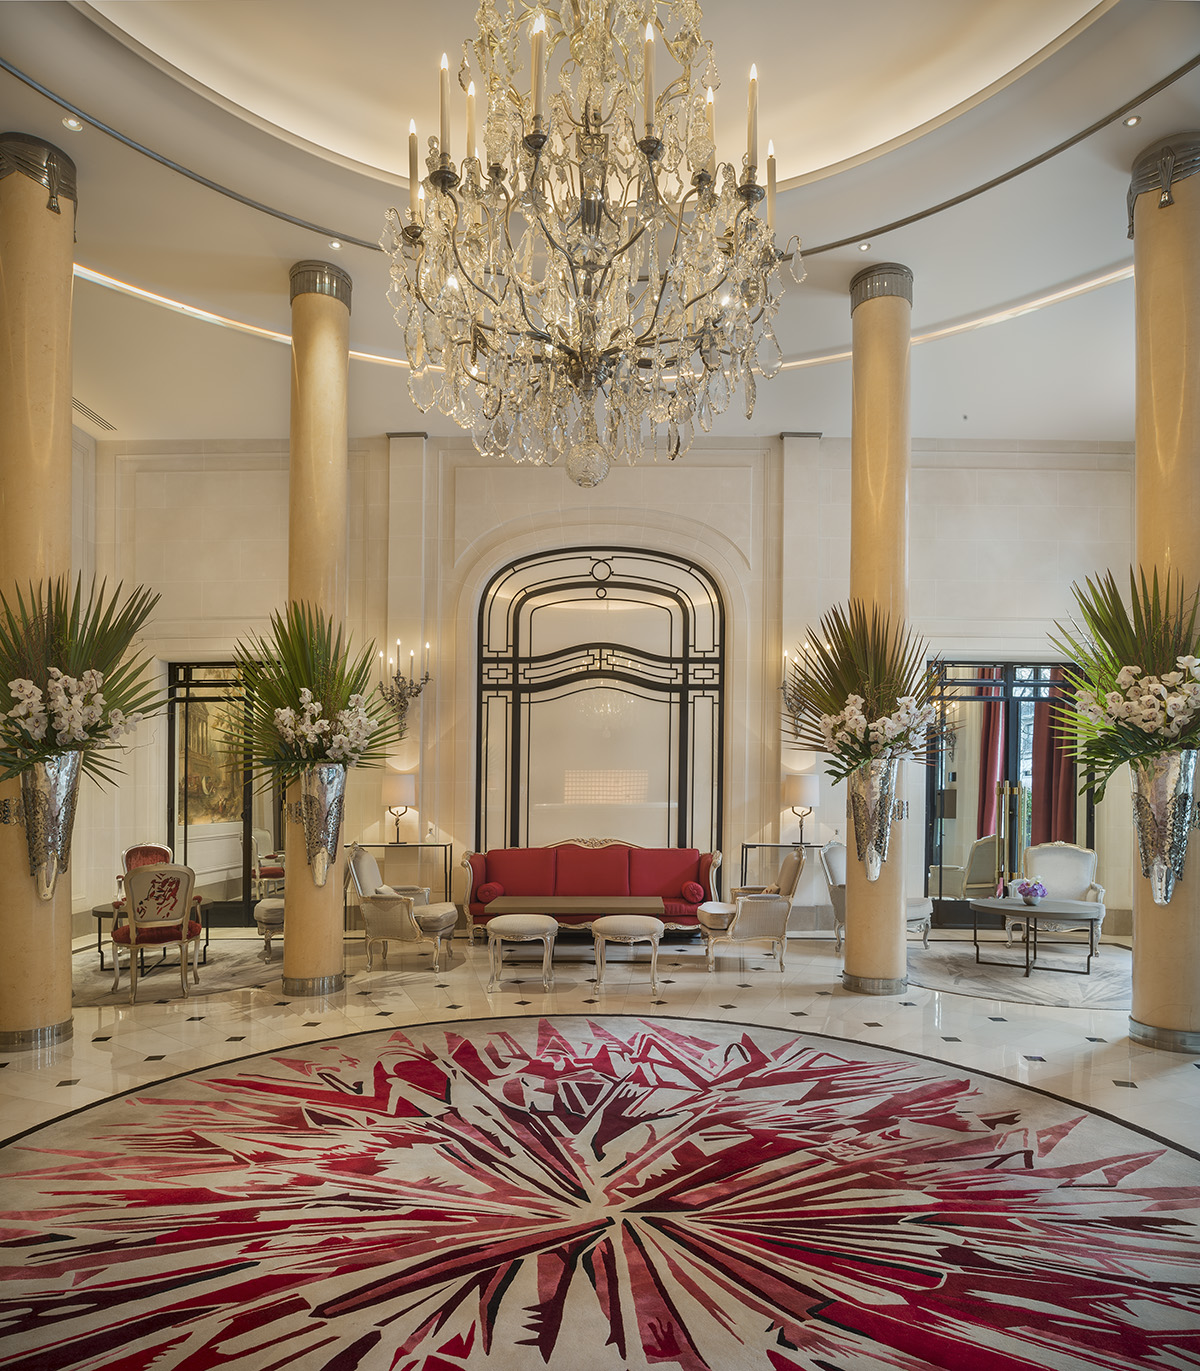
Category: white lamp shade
[399,790]
[802,790]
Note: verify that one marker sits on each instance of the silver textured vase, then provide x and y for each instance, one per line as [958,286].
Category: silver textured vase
[322,795]
[1163,811]
[872,799]
[49,791]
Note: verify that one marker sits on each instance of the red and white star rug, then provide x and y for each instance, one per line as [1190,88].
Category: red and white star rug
[596,1194]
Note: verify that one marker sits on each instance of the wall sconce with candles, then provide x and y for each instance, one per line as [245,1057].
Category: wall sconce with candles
[399,692]
[802,793]
[399,795]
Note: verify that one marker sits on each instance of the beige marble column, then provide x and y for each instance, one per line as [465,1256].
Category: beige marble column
[876,961]
[313,961]
[37,225]
[1165,224]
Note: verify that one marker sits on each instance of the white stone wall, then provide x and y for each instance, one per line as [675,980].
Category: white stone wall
[998,533]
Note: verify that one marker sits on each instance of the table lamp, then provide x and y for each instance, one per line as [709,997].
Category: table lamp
[801,793]
[399,795]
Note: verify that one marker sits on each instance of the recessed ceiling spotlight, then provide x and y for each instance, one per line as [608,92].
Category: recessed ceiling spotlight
[1133,121]
[333,243]
[70,122]
[864,247]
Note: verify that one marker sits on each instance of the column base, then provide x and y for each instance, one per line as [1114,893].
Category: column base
[30,1039]
[1165,1039]
[314,985]
[874,985]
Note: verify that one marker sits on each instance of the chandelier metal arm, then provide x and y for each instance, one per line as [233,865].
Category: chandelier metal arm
[466,271]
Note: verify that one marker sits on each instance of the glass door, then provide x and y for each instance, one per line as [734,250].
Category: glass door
[218,824]
[1003,780]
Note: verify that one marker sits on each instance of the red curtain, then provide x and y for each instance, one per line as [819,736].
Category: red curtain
[1053,815]
[991,750]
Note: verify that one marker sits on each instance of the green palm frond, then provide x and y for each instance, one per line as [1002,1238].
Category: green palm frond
[1152,631]
[54,625]
[855,651]
[303,651]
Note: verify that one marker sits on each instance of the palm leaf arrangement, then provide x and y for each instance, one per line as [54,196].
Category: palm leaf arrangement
[65,666]
[860,689]
[1137,673]
[308,699]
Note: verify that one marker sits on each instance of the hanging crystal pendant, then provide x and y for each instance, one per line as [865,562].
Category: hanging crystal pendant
[597,253]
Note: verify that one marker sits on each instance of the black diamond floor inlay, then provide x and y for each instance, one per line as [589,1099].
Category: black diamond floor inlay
[196,1018]
[313,1023]
[101,1040]
[74,1081]
[235,1040]
[385,1014]
[454,1006]
[908,1004]
[1129,1085]
[1104,1040]
[524,1001]
[1035,1059]
[799,1014]
[872,1025]
[162,1056]
[727,1006]
[951,1040]
[996,1018]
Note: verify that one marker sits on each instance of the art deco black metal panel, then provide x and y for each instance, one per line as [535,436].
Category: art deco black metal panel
[536,656]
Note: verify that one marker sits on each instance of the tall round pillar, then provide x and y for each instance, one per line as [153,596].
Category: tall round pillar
[1164,205]
[313,960]
[876,960]
[37,229]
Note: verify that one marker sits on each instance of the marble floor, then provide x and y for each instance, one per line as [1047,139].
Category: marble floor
[1077,1054]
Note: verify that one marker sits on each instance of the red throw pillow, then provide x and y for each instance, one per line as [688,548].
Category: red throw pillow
[489,891]
[692,892]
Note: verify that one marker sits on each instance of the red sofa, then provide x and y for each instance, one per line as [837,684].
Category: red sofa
[592,867]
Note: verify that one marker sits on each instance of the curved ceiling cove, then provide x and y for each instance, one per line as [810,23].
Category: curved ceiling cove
[347,78]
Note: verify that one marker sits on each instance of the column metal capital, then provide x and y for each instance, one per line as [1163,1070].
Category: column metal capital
[887,278]
[41,162]
[1160,165]
[320,278]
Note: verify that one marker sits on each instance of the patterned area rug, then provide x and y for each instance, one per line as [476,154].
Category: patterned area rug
[596,1195]
[952,966]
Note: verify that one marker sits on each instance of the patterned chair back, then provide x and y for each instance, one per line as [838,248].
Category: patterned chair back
[790,873]
[159,895]
[761,916]
[364,871]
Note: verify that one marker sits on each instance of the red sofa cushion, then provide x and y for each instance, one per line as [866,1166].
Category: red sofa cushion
[693,892]
[522,870]
[592,870]
[489,891]
[662,870]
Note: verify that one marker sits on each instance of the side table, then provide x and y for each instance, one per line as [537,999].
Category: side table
[1053,911]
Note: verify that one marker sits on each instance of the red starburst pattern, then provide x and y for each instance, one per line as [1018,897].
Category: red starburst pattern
[595,1194]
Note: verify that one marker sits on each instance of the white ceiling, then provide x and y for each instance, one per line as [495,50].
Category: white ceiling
[878,109]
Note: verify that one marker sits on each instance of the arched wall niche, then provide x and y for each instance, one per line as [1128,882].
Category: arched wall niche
[729,525]
[600,700]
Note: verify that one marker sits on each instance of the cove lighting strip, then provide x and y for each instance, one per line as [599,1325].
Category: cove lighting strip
[1054,297]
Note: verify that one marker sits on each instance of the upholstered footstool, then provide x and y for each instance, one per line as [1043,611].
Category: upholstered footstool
[268,916]
[521,928]
[715,916]
[627,928]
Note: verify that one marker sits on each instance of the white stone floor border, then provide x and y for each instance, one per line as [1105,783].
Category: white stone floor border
[1081,1055]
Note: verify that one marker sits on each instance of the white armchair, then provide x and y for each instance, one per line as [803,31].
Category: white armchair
[389,915]
[977,880]
[718,915]
[918,915]
[756,919]
[1069,873]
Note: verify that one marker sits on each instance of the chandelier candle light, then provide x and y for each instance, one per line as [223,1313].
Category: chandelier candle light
[400,693]
[596,283]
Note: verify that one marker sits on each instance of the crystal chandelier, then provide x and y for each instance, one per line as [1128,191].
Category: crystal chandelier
[596,284]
